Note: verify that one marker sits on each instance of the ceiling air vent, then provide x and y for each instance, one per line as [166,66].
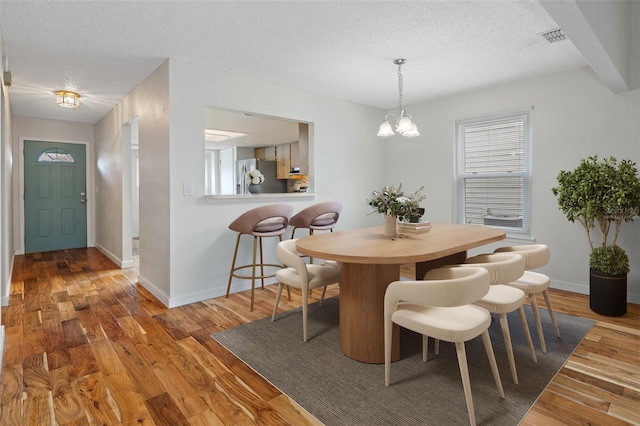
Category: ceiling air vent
[554,35]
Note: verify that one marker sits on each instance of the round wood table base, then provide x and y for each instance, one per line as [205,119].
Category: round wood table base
[362,289]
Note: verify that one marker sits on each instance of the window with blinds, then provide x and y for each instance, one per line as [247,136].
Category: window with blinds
[494,171]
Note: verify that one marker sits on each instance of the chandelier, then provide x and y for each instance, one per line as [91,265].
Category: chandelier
[404,123]
[67,99]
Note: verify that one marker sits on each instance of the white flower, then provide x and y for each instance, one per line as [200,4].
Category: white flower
[254,177]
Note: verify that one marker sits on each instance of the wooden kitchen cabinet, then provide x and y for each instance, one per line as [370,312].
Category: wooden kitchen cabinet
[267,153]
[303,149]
[270,153]
[283,155]
[294,154]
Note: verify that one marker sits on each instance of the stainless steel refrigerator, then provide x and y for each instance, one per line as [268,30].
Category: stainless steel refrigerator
[271,184]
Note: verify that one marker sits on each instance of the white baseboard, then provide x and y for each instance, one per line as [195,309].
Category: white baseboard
[123,264]
[572,287]
[4,299]
[174,302]
[159,294]
[584,289]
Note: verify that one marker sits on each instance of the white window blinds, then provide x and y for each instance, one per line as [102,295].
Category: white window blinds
[494,171]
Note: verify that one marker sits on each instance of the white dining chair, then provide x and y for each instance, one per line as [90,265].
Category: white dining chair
[440,306]
[534,283]
[502,299]
[303,276]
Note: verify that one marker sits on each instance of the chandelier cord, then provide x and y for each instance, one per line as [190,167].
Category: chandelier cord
[400,87]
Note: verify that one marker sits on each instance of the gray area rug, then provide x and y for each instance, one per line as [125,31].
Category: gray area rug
[340,391]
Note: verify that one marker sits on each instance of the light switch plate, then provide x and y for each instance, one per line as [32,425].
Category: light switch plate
[187,189]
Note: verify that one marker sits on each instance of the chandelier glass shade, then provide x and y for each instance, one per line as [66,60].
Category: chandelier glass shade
[404,123]
[67,99]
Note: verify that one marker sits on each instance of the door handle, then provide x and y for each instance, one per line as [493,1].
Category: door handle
[83,200]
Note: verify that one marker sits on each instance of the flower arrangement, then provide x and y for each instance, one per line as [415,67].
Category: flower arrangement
[393,201]
[254,177]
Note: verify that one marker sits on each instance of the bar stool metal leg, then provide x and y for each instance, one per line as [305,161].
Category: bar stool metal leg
[233,264]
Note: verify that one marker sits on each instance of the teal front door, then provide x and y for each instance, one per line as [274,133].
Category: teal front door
[55,199]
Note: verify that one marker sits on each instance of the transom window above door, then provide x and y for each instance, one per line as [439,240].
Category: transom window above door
[55,155]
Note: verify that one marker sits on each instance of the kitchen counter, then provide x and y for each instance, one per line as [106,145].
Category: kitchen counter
[259,197]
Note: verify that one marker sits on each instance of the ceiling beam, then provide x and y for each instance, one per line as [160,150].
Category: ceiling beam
[602,32]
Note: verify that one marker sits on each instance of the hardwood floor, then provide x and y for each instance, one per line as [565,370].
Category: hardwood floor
[86,345]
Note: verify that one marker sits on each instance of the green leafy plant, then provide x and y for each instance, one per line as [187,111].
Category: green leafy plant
[603,195]
[391,200]
[611,260]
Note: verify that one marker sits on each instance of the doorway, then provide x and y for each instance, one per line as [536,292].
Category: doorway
[54,196]
[130,195]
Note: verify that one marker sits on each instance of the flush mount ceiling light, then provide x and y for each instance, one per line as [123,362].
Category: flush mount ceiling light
[404,123]
[214,135]
[67,99]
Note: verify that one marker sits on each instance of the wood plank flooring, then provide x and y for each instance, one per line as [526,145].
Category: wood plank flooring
[86,345]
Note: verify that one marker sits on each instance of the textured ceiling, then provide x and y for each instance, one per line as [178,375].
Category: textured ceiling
[345,49]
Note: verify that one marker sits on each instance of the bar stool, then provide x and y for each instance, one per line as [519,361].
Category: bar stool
[318,217]
[262,222]
[533,283]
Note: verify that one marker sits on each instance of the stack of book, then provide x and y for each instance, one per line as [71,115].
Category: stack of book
[413,228]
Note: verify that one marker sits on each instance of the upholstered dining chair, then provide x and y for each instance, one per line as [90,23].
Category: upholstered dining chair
[440,306]
[501,299]
[534,283]
[321,216]
[261,222]
[303,276]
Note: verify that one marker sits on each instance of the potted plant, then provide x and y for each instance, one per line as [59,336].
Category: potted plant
[396,205]
[254,178]
[603,195]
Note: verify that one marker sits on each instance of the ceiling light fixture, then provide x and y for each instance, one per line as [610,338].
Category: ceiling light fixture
[405,125]
[67,99]
[214,135]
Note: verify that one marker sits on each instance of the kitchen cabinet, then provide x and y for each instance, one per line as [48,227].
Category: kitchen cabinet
[289,156]
[267,153]
[283,155]
[294,154]
[258,153]
[303,148]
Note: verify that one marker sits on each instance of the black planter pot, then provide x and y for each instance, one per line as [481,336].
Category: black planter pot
[608,293]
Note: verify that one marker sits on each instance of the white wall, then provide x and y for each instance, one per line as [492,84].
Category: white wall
[56,131]
[6,165]
[574,116]
[6,195]
[149,102]
[345,166]
[185,246]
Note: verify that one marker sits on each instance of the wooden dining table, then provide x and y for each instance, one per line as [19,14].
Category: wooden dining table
[370,262]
